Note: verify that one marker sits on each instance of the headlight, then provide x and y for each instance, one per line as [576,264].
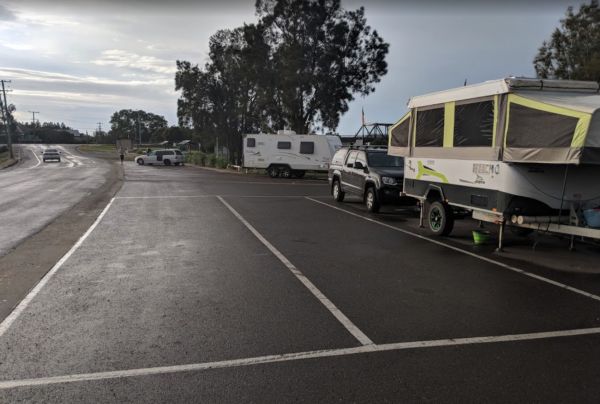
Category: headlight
[389,180]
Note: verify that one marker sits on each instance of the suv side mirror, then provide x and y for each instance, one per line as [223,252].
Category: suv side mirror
[358,165]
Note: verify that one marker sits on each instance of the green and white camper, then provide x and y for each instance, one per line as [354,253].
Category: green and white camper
[506,149]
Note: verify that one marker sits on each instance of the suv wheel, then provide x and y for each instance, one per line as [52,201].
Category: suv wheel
[371,200]
[167,162]
[140,162]
[440,218]
[336,191]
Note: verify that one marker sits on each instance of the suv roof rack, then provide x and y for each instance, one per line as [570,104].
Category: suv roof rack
[368,147]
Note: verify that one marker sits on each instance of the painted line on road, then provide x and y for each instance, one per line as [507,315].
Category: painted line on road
[4,326]
[327,353]
[341,317]
[460,250]
[214,195]
[36,157]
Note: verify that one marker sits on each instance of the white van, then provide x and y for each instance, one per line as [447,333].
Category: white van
[165,156]
[287,154]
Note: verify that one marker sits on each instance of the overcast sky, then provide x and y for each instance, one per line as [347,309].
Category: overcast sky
[79,61]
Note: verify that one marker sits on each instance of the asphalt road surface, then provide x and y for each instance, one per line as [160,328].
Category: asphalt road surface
[200,286]
[34,193]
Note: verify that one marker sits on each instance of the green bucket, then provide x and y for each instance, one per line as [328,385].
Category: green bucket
[481,237]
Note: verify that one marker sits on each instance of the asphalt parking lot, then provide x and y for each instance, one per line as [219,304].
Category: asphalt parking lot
[200,286]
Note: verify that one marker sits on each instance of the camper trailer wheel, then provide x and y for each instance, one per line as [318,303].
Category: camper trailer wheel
[371,200]
[273,172]
[285,172]
[440,218]
[336,191]
[298,173]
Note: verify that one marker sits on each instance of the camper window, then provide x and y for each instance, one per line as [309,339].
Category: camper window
[250,142]
[307,147]
[530,127]
[474,124]
[400,134]
[430,128]
[284,145]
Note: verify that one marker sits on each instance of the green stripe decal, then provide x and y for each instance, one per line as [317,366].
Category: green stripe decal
[426,171]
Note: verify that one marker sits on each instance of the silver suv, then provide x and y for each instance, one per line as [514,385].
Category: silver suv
[165,156]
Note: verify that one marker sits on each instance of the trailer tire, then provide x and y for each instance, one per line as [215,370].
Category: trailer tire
[440,218]
[285,172]
[273,172]
[336,191]
[371,200]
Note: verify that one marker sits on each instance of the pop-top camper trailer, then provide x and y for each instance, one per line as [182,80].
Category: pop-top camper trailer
[518,151]
[287,154]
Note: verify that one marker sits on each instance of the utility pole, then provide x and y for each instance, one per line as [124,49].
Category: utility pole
[33,116]
[7,121]
[99,128]
[139,133]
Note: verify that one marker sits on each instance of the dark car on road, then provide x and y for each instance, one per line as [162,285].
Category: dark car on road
[370,173]
[51,154]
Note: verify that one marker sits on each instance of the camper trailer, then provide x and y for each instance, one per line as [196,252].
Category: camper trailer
[524,152]
[287,154]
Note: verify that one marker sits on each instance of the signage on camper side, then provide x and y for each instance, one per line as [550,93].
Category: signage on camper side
[486,169]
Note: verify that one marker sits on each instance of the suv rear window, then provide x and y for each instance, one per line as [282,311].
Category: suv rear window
[177,152]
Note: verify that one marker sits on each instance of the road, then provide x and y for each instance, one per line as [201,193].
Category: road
[35,193]
[200,286]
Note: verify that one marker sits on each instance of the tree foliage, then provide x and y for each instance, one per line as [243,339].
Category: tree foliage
[126,123]
[298,67]
[573,51]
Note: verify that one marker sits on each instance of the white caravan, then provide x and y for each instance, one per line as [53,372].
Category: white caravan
[516,150]
[287,154]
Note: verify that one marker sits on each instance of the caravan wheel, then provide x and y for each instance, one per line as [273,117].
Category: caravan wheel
[273,172]
[440,218]
[285,172]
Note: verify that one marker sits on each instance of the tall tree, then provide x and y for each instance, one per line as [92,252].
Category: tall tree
[322,56]
[125,123]
[298,67]
[573,51]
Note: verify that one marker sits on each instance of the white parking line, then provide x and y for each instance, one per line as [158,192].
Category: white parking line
[486,259]
[161,370]
[214,196]
[25,302]
[341,317]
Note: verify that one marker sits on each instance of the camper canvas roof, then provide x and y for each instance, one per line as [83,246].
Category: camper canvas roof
[502,86]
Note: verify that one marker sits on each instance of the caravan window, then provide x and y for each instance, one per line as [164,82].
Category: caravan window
[284,145]
[250,142]
[530,127]
[307,147]
[430,128]
[474,124]
[400,134]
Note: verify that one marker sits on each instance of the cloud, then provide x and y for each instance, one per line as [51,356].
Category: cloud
[121,58]
[60,78]
[6,14]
